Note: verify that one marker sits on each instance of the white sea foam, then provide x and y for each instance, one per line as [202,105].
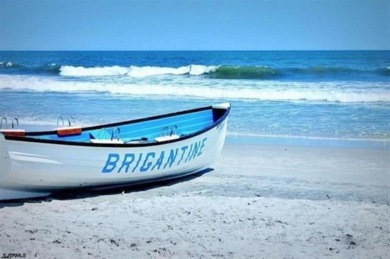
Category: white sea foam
[261,91]
[6,64]
[135,71]
[93,71]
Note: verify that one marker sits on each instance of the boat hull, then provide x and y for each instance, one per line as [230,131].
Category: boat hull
[34,169]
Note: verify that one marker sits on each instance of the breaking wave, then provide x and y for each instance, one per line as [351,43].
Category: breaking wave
[218,72]
[208,71]
[135,71]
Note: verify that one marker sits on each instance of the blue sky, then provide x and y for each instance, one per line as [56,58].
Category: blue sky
[194,24]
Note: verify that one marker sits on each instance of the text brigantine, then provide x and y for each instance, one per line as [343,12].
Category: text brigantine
[151,161]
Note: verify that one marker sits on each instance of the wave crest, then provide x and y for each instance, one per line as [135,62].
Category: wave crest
[92,71]
[219,72]
[135,71]
[208,71]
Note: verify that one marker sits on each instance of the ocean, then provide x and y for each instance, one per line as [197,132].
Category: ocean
[325,95]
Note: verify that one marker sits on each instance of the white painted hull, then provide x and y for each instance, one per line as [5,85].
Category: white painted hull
[31,169]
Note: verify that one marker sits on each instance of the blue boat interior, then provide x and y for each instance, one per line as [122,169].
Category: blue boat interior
[167,127]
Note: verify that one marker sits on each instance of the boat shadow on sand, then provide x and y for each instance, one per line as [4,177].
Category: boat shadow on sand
[75,194]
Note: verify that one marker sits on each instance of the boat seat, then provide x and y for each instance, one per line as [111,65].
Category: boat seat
[106,141]
[142,140]
[167,138]
[95,140]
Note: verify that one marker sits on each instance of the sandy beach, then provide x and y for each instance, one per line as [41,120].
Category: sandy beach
[259,201]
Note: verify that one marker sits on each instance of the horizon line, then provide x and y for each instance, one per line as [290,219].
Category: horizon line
[193,50]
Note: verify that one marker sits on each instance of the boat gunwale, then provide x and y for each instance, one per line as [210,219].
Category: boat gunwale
[26,138]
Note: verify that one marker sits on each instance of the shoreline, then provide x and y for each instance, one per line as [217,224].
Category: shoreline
[260,200]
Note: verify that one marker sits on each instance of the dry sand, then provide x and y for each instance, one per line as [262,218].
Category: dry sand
[261,201]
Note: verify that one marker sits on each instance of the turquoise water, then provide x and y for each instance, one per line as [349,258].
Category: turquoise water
[337,95]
